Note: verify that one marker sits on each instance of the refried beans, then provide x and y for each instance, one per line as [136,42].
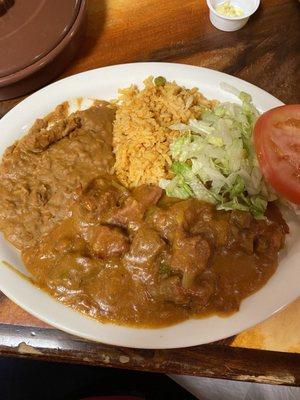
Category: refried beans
[41,173]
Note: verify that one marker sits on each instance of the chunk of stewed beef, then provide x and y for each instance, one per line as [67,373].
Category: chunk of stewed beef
[190,256]
[180,216]
[147,195]
[130,213]
[146,246]
[171,290]
[100,196]
[106,242]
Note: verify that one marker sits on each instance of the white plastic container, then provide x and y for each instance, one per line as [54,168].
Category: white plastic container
[230,24]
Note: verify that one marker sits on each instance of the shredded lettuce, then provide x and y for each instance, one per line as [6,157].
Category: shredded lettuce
[214,159]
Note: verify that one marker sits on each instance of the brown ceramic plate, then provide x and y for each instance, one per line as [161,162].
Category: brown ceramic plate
[37,40]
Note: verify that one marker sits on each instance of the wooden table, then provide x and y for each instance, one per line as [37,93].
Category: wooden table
[266,53]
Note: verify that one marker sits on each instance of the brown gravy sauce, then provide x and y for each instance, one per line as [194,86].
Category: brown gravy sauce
[118,262]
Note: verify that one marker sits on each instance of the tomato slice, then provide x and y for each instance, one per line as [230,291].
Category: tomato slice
[277,143]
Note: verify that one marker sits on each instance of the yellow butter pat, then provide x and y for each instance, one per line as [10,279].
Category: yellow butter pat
[229,10]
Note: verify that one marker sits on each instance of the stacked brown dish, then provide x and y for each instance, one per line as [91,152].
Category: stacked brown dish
[37,40]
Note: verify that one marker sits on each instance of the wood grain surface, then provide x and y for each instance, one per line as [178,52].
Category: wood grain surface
[266,52]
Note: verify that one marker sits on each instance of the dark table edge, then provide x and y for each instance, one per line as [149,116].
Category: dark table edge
[216,360]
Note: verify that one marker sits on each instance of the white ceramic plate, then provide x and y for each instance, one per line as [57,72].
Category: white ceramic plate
[103,83]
